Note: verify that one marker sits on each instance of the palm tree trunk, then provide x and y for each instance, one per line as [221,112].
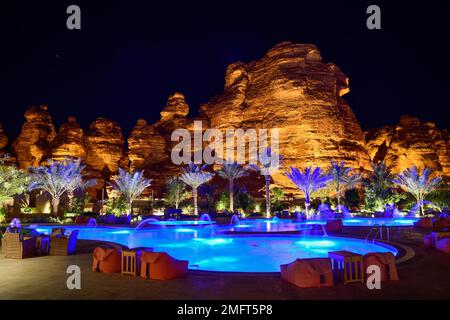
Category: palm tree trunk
[420,203]
[70,196]
[55,205]
[338,203]
[194,195]
[130,207]
[307,204]
[267,177]
[231,187]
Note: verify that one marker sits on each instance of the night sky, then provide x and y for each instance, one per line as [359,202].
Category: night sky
[130,56]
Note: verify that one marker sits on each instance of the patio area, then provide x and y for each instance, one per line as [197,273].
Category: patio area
[424,276]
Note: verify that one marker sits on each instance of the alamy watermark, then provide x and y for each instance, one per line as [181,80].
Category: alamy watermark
[74,280]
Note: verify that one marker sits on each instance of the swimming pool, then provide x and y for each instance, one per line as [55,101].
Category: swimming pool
[229,253]
[284,225]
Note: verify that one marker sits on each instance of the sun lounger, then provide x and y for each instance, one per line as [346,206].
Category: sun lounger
[306,273]
[161,266]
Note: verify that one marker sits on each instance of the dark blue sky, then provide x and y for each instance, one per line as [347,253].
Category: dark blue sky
[129,55]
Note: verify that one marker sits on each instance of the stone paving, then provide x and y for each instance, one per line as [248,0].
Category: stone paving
[426,276]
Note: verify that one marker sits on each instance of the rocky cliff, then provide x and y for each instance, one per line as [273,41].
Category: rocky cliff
[3,141]
[290,89]
[409,143]
[32,145]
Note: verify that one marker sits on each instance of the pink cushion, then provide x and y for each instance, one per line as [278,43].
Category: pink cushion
[385,261]
[443,245]
[428,240]
[424,223]
[305,273]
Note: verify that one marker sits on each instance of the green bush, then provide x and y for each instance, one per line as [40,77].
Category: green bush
[116,206]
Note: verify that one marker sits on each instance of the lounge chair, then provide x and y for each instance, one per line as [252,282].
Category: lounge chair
[107,260]
[64,246]
[161,266]
[308,273]
[443,245]
[14,247]
[385,261]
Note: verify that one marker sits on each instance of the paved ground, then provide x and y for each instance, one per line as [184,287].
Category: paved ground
[426,276]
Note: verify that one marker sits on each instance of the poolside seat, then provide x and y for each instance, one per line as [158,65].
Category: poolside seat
[443,245]
[385,261]
[57,232]
[64,246]
[424,223]
[307,273]
[161,266]
[109,219]
[428,240]
[81,219]
[334,225]
[16,247]
[107,260]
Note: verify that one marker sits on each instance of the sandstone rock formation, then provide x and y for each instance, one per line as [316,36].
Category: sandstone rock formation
[3,141]
[38,132]
[105,146]
[69,142]
[291,89]
[409,143]
[150,145]
[146,146]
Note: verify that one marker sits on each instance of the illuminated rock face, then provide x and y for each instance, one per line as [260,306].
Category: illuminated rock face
[105,146]
[3,141]
[150,145]
[410,143]
[38,132]
[69,142]
[291,89]
[146,146]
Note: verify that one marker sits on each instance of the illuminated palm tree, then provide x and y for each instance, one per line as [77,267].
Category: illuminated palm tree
[418,184]
[308,181]
[231,171]
[51,179]
[73,171]
[194,176]
[342,179]
[130,185]
[266,167]
[176,191]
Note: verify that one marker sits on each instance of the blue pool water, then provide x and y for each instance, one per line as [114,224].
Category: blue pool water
[283,225]
[231,253]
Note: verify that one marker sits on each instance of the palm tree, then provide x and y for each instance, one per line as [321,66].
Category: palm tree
[418,184]
[194,176]
[51,179]
[266,168]
[231,171]
[130,185]
[378,186]
[176,191]
[73,171]
[308,181]
[342,179]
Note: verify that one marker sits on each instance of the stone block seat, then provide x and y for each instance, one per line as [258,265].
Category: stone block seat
[385,261]
[307,273]
[107,260]
[443,245]
[161,266]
